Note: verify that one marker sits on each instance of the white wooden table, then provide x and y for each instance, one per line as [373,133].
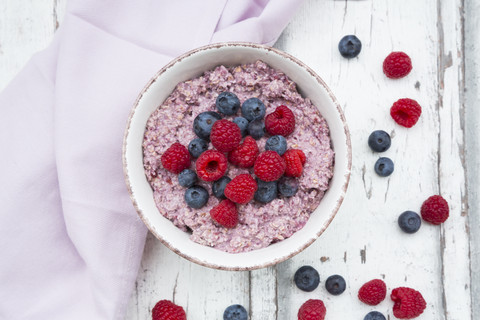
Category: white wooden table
[439,155]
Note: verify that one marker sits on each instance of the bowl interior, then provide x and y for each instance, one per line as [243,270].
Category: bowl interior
[190,66]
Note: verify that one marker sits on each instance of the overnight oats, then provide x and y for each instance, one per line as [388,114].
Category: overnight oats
[237,157]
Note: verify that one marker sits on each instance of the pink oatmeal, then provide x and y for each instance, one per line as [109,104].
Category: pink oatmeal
[259,224]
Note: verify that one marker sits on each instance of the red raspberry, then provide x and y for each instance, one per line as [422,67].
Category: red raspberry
[167,310]
[409,303]
[435,210]
[294,159]
[245,154]
[269,166]
[176,158]
[241,189]
[280,122]
[397,65]
[211,165]
[373,292]
[225,135]
[225,213]
[312,309]
[406,112]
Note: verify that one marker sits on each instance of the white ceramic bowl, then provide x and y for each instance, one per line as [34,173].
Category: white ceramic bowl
[191,65]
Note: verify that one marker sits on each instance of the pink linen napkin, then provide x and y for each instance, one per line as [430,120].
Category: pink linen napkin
[70,239]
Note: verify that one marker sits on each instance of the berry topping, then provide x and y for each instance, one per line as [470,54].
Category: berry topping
[307,278]
[287,187]
[406,112]
[241,189]
[227,103]
[242,123]
[256,128]
[409,303]
[312,309]
[196,197]
[176,158]
[167,310]
[397,65]
[409,222]
[187,178]
[349,46]
[245,154]
[269,166]
[295,159]
[280,122]
[335,284]
[374,315]
[235,312]
[435,210]
[379,141]
[197,146]
[218,187]
[225,135]
[276,143]
[373,292]
[384,167]
[211,165]
[202,125]
[225,214]
[267,191]
[252,109]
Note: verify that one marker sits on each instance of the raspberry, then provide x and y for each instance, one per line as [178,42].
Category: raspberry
[294,159]
[409,303]
[167,310]
[269,166]
[211,165]
[176,158]
[397,65]
[373,292]
[245,154]
[312,309]
[280,122]
[225,135]
[241,189]
[406,112]
[435,210]
[225,213]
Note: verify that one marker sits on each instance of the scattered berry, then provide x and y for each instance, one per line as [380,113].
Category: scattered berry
[384,167]
[409,303]
[245,154]
[287,187]
[225,214]
[227,103]
[167,310]
[280,122]
[256,128]
[374,315]
[294,159]
[241,189]
[252,109]
[397,65]
[312,309]
[307,278]
[187,178]
[218,187]
[406,112]
[225,135]
[379,141]
[435,210]
[373,292]
[335,285]
[235,312]
[277,143]
[176,158]
[202,125]
[196,197]
[409,222]
[349,46]
[211,165]
[266,192]
[269,166]
[242,123]
[197,146]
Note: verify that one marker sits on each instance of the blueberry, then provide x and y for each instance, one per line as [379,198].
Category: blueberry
[242,123]
[196,197]
[350,46]
[187,178]
[277,144]
[227,103]
[409,222]
[379,141]
[256,129]
[335,284]
[235,312]
[202,125]
[252,109]
[266,192]
[218,187]
[374,315]
[307,278]
[384,167]
[197,146]
[287,187]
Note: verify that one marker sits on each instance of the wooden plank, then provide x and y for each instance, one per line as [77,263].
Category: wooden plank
[263,294]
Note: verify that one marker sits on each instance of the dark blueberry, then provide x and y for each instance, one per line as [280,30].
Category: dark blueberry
[256,129]
[384,167]
[287,187]
[197,146]
[187,178]
[350,46]
[307,278]
[242,123]
[409,222]
[235,312]
[379,141]
[252,109]
[335,284]
[374,315]
[266,192]
[277,144]
[202,125]
[196,197]
[227,103]
[218,187]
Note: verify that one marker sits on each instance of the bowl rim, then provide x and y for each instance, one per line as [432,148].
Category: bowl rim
[346,175]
